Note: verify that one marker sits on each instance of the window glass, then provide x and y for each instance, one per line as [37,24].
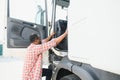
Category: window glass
[28,10]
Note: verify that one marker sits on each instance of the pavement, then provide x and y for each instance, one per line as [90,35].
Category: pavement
[11,68]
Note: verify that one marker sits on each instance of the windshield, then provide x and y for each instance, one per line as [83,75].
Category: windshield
[28,10]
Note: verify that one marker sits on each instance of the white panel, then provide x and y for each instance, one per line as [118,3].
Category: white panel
[94,33]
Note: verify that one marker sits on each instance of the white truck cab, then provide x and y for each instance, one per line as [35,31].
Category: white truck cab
[93,42]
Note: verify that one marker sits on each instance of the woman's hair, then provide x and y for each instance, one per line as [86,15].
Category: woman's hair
[33,37]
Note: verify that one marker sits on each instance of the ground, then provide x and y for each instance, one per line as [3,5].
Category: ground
[11,68]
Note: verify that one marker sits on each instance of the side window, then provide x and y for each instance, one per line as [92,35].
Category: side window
[28,10]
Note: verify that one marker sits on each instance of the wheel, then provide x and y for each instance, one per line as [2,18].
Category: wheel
[70,77]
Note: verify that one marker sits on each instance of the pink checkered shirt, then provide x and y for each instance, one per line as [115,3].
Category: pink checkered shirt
[32,69]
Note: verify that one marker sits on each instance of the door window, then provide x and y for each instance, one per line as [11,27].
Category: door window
[28,10]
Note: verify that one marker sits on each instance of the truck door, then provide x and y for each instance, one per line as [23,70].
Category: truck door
[24,17]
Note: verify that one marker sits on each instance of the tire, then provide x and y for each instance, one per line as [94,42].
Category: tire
[70,77]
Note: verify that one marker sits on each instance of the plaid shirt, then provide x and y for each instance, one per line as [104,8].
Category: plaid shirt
[33,61]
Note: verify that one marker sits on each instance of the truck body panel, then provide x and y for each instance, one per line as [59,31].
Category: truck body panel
[94,33]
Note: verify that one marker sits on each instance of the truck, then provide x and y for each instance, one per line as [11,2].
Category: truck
[91,49]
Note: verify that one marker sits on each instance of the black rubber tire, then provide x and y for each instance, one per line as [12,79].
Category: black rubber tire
[70,77]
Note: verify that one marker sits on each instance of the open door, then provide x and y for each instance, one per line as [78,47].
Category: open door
[24,21]
[18,32]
